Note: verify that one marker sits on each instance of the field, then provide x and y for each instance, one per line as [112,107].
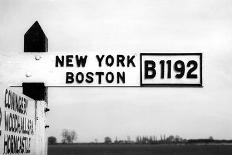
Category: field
[133,149]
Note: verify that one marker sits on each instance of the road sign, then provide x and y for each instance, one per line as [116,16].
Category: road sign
[171,69]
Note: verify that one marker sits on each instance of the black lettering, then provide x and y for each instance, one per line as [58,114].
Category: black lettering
[149,67]
[100,60]
[59,61]
[5,144]
[69,61]
[6,99]
[121,77]
[81,61]
[81,75]
[89,77]
[99,76]
[109,60]
[120,60]
[194,65]
[109,77]
[69,77]
[130,61]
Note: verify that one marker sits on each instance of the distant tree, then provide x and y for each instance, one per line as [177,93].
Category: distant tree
[65,136]
[73,136]
[68,136]
[138,140]
[170,139]
[116,140]
[178,139]
[108,140]
[51,140]
[211,137]
[128,139]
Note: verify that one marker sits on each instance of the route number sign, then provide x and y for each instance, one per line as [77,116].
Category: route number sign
[171,69]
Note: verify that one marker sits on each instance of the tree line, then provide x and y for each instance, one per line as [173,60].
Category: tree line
[70,136]
[147,140]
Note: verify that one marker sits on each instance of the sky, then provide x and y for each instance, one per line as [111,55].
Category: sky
[131,26]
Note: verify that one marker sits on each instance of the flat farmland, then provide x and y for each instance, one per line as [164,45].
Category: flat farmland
[138,149]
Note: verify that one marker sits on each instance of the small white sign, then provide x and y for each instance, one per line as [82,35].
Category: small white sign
[171,69]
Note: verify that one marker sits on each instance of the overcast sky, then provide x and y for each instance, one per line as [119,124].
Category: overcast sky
[113,26]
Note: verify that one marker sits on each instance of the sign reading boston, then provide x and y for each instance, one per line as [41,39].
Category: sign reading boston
[139,70]
[98,74]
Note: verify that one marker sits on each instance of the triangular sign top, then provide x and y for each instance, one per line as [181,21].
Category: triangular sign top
[35,39]
[35,27]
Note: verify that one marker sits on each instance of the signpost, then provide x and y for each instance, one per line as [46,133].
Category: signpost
[23,120]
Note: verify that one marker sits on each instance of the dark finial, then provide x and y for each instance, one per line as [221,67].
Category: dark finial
[35,39]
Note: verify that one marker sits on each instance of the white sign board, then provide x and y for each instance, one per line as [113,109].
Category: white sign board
[101,69]
[17,124]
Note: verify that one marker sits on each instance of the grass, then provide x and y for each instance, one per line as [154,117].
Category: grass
[137,149]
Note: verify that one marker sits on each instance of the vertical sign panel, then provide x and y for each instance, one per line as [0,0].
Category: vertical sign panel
[17,124]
